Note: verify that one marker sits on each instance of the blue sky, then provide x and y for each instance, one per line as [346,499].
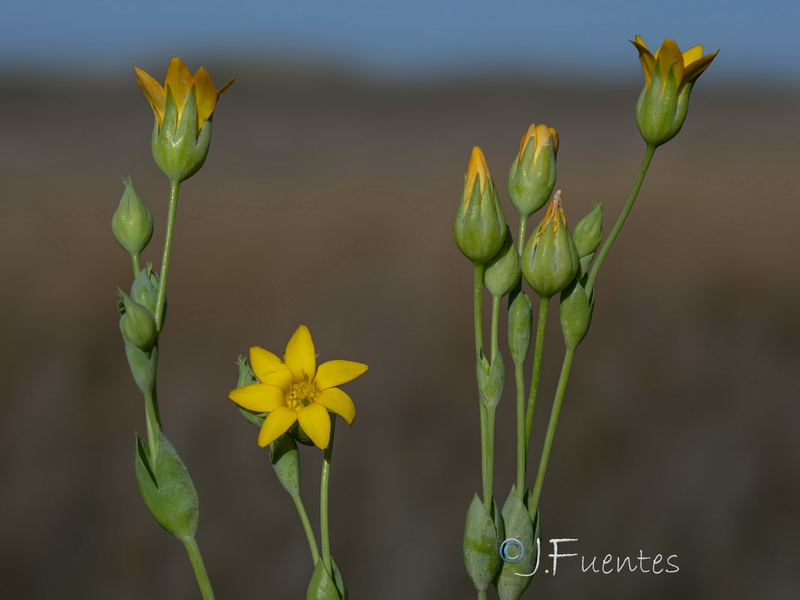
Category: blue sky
[401,39]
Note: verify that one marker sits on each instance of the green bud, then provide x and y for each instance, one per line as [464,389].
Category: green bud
[575,313]
[661,109]
[132,223]
[502,272]
[519,552]
[482,538]
[533,173]
[550,259]
[480,226]
[324,586]
[144,290]
[519,326]
[491,379]
[167,488]
[137,324]
[589,231]
[178,148]
[285,460]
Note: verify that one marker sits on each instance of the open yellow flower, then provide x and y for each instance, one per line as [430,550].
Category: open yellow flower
[669,75]
[179,82]
[295,389]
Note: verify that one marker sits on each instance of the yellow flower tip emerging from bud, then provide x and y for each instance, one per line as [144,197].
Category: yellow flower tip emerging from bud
[480,226]
[179,82]
[183,108]
[476,170]
[533,173]
[553,216]
[669,76]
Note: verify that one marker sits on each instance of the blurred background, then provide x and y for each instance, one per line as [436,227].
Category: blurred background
[328,199]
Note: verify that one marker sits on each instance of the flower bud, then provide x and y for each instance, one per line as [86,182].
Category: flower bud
[550,259]
[166,488]
[519,551]
[533,172]
[132,223]
[326,586]
[144,290]
[519,326]
[575,313]
[502,272]
[491,379]
[482,538]
[669,77]
[589,231]
[480,226]
[137,324]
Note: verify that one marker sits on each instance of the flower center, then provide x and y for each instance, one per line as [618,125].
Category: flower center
[301,395]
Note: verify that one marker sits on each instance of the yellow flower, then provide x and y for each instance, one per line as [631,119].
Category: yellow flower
[297,390]
[180,81]
[669,76]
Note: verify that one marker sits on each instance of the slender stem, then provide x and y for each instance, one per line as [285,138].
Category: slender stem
[477,316]
[648,156]
[483,595]
[522,455]
[484,454]
[312,541]
[544,304]
[495,322]
[199,568]
[135,263]
[174,188]
[323,499]
[487,450]
[152,423]
[551,429]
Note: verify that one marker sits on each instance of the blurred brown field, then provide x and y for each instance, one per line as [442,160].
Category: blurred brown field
[329,201]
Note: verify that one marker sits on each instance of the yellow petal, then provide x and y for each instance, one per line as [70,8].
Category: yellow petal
[300,355]
[154,92]
[282,378]
[692,54]
[669,57]
[316,422]
[260,397]
[180,80]
[337,372]
[337,401]
[205,95]
[646,58]
[276,424]
[263,362]
[694,70]
[477,168]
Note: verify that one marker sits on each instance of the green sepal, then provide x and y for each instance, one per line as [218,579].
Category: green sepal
[661,108]
[502,272]
[299,435]
[511,580]
[550,261]
[178,148]
[491,379]
[136,323]
[285,460]
[575,313]
[480,224]
[144,290]
[588,233]
[167,488]
[324,587]
[530,184]
[143,368]
[482,538]
[520,320]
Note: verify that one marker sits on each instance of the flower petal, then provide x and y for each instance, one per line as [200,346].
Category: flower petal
[206,96]
[646,58]
[260,397]
[692,54]
[336,372]
[263,362]
[155,94]
[668,58]
[282,378]
[300,355]
[337,401]
[316,422]
[180,80]
[694,70]
[276,424]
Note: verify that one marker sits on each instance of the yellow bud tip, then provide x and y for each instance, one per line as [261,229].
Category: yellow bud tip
[477,168]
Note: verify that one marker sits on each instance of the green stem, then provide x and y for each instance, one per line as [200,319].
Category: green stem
[477,315]
[551,429]
[648,156]
[323,499]
[199,568]
[312,541]
[135,262]
[495,323]
[483,595]
[487,450]
[522,454]
[153,424]
[544,304]
[174,188]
